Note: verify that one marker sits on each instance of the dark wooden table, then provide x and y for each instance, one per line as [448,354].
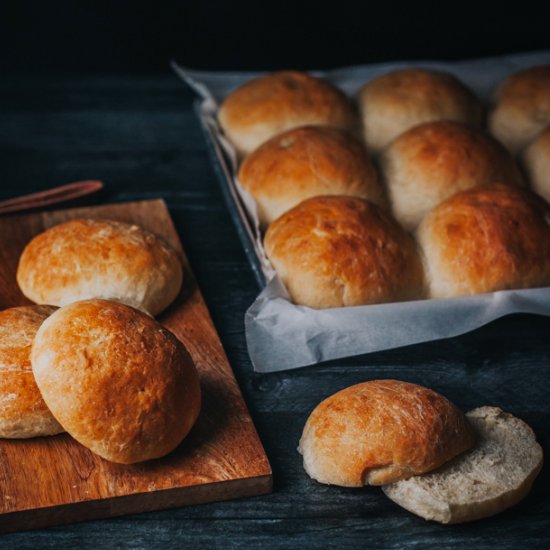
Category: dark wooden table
[140,136]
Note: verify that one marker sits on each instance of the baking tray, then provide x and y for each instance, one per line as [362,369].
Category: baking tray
[281,335]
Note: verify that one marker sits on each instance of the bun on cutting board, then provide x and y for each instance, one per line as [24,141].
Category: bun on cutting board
[305,162]
[521,107]
[431,162]
[116,380]
[496,474]
[382,431]
[392,103]
[334,251]
[536,162]
[92,258]
[486,239]
[23,412]
[268,105]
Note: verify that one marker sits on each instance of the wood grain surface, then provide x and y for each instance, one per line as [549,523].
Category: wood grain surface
[50,480]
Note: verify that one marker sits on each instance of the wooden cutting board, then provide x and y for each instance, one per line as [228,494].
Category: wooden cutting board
[52,480]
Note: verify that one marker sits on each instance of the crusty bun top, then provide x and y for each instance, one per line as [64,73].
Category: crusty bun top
[343,251]
[486,239]
[382,431]
[306,162]
[116,380]
[401,99]
[88,258]
[433,161]
[266,106]
[23,412]
[522,107]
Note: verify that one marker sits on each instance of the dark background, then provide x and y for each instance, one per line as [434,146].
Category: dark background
[141,36]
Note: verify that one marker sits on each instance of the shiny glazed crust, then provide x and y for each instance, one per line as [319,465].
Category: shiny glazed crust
[382,431]
[433,161]
[23,412]
[522,107]
[87,258]
[306,162]
[486,239]
[116,380]
[394,102]
[343,251]
[266,106]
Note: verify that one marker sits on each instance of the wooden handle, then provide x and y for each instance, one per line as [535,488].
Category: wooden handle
[66,195]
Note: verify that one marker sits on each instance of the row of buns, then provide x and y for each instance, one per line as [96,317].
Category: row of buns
[94,362]
[424,158]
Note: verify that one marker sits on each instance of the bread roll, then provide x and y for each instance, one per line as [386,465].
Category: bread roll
[496,474]
[266,106]
[536,161]
[522,107]
[23,412]
[87,258]
[116,380]
[396,101]
[343,251]
[486,239]
[433,161]
[381,431]
[306,162]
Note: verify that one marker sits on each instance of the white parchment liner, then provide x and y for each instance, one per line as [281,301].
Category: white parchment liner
[281,335]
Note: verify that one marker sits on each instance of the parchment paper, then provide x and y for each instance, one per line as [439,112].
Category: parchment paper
[281,335]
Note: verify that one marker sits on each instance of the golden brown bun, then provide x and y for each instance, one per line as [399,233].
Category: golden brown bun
[116,380]
[536,161]
[382,431]
[266,106]
[86,258]
[306,162]
[522,107]
[343,251]
[486,239]
[401,99]
[433,161]
[23,412]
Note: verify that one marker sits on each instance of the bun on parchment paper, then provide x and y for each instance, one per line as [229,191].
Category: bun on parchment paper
[268,105]
[496,474]
[305,162]
[23,412]
[432,161]
[396,101]
[116,380]
[521,107]
[486,239]
[380,432]
[536,162]
[89,258]
[335,251]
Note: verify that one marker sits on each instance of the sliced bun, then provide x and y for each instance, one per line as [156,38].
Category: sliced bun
[536,161]
[23,412]
[343,251]
[496,474]
[86,258]
[522,107]
[306,162]
[116,380]
[486,239]
[381,431]
[431,162]
[394,102]
[266,106]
